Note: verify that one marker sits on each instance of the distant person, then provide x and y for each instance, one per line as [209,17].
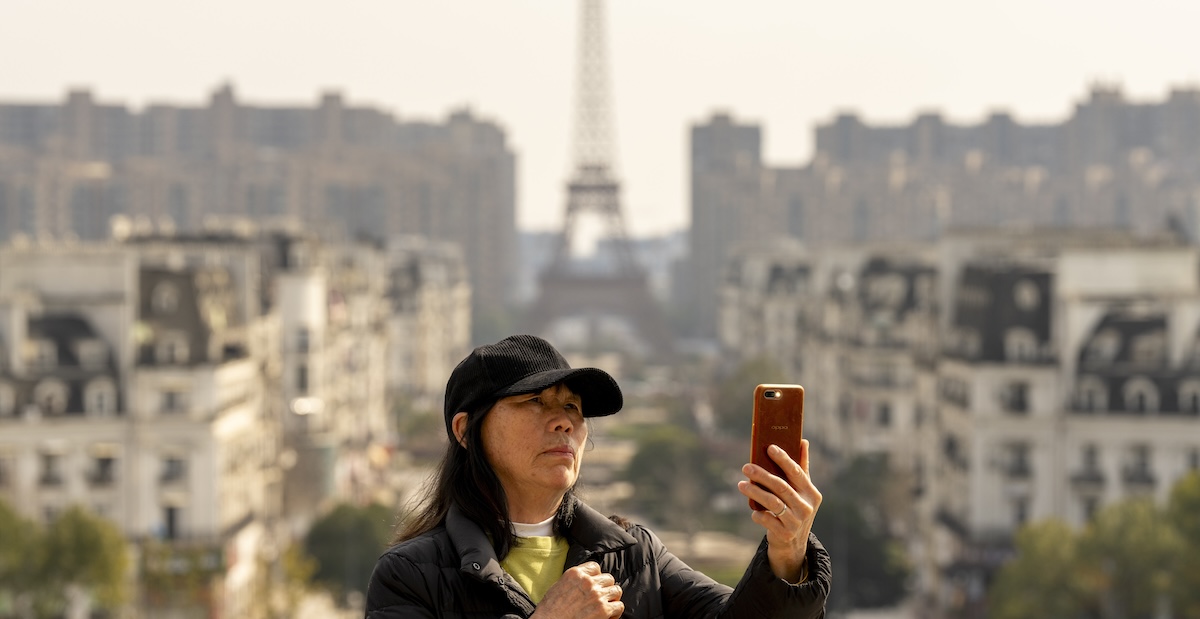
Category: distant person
[502,533]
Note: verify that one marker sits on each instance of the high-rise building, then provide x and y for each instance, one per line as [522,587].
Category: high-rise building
[66,169]
[1112,163]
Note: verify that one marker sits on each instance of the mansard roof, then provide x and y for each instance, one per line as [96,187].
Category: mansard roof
[993,299]
[65,330]
[1126,339]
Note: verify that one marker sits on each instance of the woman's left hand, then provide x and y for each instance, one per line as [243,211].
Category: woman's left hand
[792,505]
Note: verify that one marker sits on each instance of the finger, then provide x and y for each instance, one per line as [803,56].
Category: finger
[797,475]
[772,483]
[590,568]
[616,609]
[804,454]
[762,496]
[614,592]
[605,580]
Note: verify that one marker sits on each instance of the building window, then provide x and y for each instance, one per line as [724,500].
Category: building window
[1014,397]
[1104,347]
[92,353]
[101,397]
[1018,460]
[1026,295]
[1149,349]
[1141,395]
[171,518]
[51,396]
[5,473]
[1020,511]
[164,300]
[8,400]
[104,471]
[51,474]
[45,355]
[173,470]
[174,401]
[1193,460]
[884,414]
[1090,457]
[1020,345]
[302,378]
[303,339]
[1089,505]
[1189,396]
[1137,468]
[172,348]
[1091,394]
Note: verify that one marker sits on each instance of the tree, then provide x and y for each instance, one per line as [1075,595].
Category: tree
[1183,512]
[853,525]
[1134,560]
[84,551]
[1044,578]
[1128,555]
[673,477]
[346,542]
[18,538]
[734,400]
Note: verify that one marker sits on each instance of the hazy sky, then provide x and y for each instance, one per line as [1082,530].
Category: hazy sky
[785,64]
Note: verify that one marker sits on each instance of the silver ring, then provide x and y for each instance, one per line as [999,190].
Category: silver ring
[785,508]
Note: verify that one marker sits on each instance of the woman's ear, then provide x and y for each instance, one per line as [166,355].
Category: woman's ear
[459,425]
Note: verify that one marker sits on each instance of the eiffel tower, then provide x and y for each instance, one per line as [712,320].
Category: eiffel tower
[564,290]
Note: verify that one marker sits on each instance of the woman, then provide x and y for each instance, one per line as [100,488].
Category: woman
[503,535]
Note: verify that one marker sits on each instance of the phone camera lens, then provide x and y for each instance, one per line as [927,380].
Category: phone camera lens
[771,395]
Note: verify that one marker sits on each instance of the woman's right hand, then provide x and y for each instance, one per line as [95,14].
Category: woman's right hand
[583,592]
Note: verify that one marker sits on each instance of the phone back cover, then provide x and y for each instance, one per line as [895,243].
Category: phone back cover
[776,422]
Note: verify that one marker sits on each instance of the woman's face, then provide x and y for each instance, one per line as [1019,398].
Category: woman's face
[534,443]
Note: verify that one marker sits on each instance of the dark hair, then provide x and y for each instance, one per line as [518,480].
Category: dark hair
[465,478]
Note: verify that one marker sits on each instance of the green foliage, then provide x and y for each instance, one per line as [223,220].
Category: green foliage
[1128,555]
[1041,581]
[17,542]
[82,549]
[179,573]
[77,550]
[345,543]
[673,477]
[1134,559]
[852,526]
[1183,512]
[734,400]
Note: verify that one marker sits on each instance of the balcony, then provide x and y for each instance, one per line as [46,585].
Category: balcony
[1089,481]
[50,480]
[1019,469]
[946,518]
[1139,479]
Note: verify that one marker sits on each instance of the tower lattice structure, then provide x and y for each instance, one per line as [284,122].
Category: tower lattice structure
[593,188]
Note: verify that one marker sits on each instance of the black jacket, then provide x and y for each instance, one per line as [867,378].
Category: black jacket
[452,571]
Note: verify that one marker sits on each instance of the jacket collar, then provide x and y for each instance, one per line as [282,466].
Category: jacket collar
[590,533]
[593,533]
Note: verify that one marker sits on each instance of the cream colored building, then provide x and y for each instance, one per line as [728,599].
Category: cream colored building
[1005,377]
[133,389]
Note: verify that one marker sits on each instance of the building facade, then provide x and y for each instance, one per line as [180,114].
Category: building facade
[66,169]
[1005,378]
[1114,163]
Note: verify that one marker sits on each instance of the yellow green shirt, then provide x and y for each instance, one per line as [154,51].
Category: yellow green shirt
[536,563]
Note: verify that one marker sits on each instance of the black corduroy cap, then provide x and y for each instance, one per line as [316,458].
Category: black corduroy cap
[525,364]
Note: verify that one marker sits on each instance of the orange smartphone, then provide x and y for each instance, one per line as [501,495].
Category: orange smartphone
[778,420]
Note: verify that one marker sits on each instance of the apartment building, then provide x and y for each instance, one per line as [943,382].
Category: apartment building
[134,391]
[349,171]
[1112,163]
[1006,378]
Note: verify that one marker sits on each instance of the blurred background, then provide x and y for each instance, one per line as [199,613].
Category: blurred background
[242,245]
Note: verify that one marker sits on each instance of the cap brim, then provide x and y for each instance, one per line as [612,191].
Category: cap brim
[598,390]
